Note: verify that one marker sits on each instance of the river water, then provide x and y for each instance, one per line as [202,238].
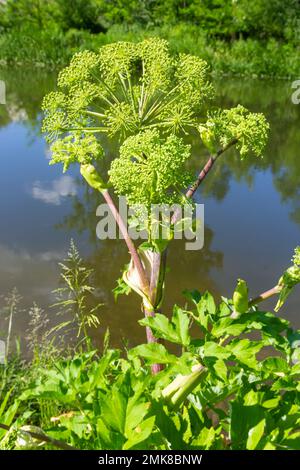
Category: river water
[252,210]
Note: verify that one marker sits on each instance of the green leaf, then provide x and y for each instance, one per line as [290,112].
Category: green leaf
[292,442]
[205,308]
[205,439]
[8,416]
[181,323]
[193,295]
[176,330]
[296,369]
[245,351]
[161,327]
[251,398]
[276,365]
[136,411]
[209,302]
[255,434]
[211,349]
[113,410]
[243,419]
[153,353]
[227,327]
[220,369]
[5,401]
[272,402]
[140,433]
[121,288]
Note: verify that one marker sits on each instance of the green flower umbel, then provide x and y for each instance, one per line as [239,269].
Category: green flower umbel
[150,170]
[125,88]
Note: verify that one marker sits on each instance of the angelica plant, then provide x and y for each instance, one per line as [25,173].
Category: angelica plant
[151,101]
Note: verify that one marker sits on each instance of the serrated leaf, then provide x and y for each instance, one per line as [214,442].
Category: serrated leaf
[140,433]
[153,353]
[220,369]
[175,330]
[245,351]
[211,349]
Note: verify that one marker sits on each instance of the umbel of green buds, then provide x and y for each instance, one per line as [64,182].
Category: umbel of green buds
[150,100]
[151,170]
[121,90]
[126,89]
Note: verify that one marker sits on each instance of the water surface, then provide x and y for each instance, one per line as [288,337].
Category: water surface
[252,210]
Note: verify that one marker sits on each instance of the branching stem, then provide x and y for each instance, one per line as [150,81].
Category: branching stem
[265,295]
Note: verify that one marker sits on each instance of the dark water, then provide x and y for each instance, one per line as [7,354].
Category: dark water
[252,209]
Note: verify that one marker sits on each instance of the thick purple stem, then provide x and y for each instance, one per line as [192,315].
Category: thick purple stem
[155,368]
[132,249]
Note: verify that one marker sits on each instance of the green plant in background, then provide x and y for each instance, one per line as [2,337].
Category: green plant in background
[248,38]
[77,296]
[9,311]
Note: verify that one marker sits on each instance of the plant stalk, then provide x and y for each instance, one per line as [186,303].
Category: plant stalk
[202,175]
[150,293]
[156,294]
[207,167]
[130,245]
[265,295]
[177,391]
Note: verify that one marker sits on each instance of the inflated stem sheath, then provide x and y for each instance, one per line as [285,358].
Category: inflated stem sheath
[176,392]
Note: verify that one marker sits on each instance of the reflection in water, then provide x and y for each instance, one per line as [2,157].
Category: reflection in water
[60,188]
[252,208]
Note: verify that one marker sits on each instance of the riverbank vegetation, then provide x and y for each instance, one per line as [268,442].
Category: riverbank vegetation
[255,38]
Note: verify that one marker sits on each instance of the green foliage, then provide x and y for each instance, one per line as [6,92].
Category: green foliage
[220,18]
[241,37]
[113,401]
